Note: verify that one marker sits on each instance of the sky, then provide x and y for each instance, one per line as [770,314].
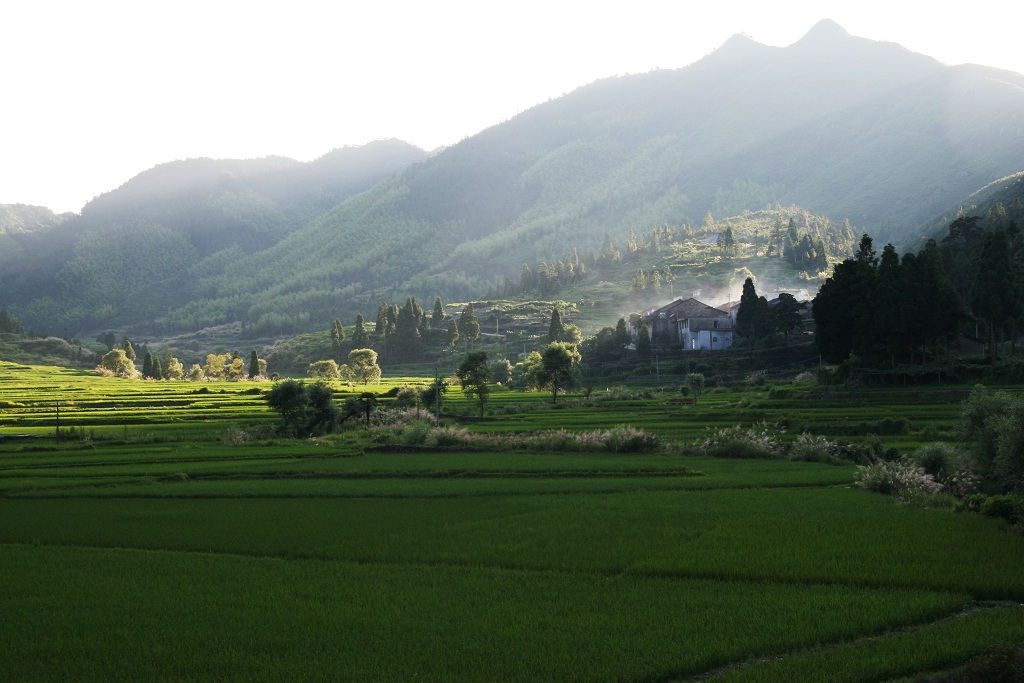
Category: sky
[97,92]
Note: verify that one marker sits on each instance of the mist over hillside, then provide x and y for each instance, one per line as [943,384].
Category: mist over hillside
[842,126]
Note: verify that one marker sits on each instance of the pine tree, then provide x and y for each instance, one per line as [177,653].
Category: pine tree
[128,349]
[437,317]
[147,366]
[254,363]
[469,328]
[555,327]
[453,335]
[360,338]
[643,343]
[337,334]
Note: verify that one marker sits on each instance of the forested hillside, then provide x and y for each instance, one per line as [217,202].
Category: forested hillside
[866,135]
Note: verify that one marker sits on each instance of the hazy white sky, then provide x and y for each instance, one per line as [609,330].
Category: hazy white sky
[97,92]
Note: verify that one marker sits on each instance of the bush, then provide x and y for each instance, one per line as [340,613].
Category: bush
[949,466]
[971,502]
[897,478]
[1010,508]
[814,448]
[756,442]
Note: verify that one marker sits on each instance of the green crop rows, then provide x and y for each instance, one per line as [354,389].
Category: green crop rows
[152,542]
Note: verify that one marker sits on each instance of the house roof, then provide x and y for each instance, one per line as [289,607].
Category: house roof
[680,309]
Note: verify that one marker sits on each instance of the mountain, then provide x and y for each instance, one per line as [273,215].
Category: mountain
[840,125]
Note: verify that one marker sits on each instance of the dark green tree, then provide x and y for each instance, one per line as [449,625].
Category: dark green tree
[843,309]
[469,327]
[147,366]
[337,337]
[621,333]
[785,315]
[360,338]
[129,350]
[407,328]
[643,343]
[753,317]
[11,325]
[290,399]
[475,376]
[994,293]
[158,371]
[438,316]
[453,335]
[557,371]
[254,364]
[555,327]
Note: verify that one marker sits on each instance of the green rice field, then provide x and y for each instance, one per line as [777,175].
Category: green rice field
[164,533]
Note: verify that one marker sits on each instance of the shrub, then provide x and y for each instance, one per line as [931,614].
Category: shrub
[1010,508]
[971,502]
[950,467]
[814,448]
[755,442]
[626,439]
[897,478]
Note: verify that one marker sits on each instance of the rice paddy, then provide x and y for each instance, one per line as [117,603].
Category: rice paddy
[168,534]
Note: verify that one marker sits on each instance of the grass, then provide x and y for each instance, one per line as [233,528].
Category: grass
[176,538]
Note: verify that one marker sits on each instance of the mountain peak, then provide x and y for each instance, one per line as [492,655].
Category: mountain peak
[824,31]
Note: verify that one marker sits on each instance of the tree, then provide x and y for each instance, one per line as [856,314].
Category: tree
[129,350]
[453,335]
[363,363]
[785,315]
[752,318]
[196,373]
[174,369]
[289,398]
[337,337]
[438,316]
[844,308]
[407,327]
[434,394]
[501,371]
[321,412]
[474,375]
[360,337]
[116,361]
[323,370]
[158,372]
[9,324]
[994,295]
[555,328]
[147,366]
[469,328]
[304,410]
[696,382]
[621,333]
[236,369]
[254,364]
[643,343]
[215,365]
[558,367]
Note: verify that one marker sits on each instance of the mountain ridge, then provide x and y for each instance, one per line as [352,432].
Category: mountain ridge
[841,125]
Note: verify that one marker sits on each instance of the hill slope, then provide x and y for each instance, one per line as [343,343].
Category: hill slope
[840,125]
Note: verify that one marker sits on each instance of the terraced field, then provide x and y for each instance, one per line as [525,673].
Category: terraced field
[170,536]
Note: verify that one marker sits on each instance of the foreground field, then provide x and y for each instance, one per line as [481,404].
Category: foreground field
[165,547]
